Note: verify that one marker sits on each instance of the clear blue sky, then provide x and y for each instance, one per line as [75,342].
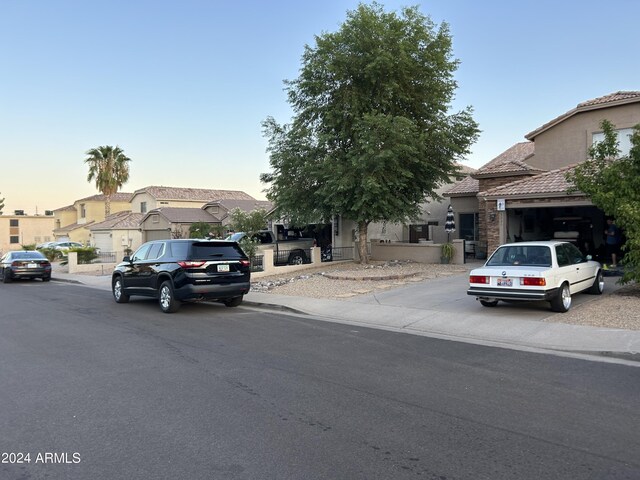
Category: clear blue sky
[183,86]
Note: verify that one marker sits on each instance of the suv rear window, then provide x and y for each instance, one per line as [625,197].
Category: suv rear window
[206,250]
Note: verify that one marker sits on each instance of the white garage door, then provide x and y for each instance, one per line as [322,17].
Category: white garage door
[102,240]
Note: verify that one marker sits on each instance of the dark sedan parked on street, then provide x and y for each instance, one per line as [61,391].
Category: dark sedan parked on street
[174,271]
[25,264]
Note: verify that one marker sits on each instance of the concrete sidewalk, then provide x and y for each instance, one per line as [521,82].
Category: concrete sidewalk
[477,325]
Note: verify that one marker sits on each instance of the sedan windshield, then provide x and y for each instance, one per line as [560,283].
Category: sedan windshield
[529,256]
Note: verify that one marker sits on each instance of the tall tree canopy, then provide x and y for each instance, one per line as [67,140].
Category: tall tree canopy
[109,167]
[612,182]
[371,137]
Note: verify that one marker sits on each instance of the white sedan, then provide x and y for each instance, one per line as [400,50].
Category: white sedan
[551,271]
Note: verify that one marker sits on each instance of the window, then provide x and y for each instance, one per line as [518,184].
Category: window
[14,239]
[563,257]
[155,219]
[624,139]
[156,251]
[14,222]
[141,253]
[468,226]
[143,207]
[83,210]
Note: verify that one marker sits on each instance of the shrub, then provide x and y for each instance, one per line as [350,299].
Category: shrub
[85,254]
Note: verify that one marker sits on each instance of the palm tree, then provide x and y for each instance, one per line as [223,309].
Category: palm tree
[109,166]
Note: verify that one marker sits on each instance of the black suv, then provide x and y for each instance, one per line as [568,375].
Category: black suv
[184,270]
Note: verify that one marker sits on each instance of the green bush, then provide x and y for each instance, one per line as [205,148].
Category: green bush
[85,254]
[30,246]
[51,253]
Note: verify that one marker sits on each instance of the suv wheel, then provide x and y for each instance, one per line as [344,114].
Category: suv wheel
[167,299]
[233,302]
[118,294]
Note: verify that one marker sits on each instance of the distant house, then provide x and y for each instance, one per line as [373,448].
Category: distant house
[153,197]
[118,233]
[18,230]
[72,222]
[523,194]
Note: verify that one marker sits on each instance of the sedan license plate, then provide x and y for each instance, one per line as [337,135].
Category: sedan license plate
[223,268]
[505,282]
[32,265]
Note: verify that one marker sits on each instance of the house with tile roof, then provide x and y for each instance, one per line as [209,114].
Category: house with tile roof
[119,233]
[523,194]
[152,197]
[71,221]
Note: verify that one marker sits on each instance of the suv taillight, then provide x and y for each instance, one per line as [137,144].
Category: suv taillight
[245,263]
[187,264]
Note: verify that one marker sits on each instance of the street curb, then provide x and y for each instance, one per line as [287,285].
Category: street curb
[273,306]
[66,280]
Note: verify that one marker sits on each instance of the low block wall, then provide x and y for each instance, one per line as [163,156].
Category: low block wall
[270,269]
[101,268]
[416,252]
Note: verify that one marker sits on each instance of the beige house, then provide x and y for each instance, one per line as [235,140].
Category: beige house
[18,230]
[118,233]
[72,221]
[149,198]
[523,193]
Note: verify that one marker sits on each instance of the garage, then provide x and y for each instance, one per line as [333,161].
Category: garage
[102,241]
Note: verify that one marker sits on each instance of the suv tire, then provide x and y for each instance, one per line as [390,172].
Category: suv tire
[167,299]
[233,302]
[118,294]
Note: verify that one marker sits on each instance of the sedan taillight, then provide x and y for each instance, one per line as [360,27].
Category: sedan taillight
[533,282]
[478,279]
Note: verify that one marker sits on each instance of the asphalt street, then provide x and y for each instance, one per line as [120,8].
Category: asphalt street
[108,391]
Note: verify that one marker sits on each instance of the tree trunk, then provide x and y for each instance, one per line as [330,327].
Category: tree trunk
[107,206]
[362,242]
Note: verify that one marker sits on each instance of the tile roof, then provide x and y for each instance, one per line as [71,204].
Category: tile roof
[544,184]
[511,161]
[116,197]
[68,208]
[194,194]
[613,99]
[119,221]
[245,205]
[184,215]
[73,226]
[465,187]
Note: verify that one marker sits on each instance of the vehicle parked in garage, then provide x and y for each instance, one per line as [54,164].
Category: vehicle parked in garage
[174,271]
[548,270]
[25,264]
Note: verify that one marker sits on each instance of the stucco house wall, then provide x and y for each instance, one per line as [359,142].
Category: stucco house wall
[568,142]
[30,229]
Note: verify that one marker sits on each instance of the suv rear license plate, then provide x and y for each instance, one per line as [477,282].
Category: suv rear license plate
[505,282]
[223,268]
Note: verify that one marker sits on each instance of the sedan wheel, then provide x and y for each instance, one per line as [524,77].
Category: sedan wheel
[598,284]
[562,302]
[167,299]
[6,276]
[488,303]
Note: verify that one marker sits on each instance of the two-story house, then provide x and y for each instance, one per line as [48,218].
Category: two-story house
[22,229]
[72,221]
[523,194]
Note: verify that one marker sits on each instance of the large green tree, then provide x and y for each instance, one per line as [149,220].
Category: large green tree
[109,167]
[612,182]
[372,136]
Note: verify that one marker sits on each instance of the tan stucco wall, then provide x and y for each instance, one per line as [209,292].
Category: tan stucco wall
[30,229]
[152,203]
[62,218]
[95,210]
[417,252]
[569,141]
